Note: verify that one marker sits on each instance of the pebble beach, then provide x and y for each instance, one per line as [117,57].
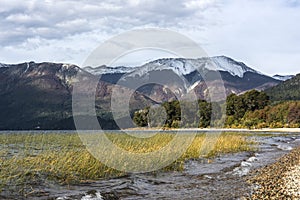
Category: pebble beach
[280,180]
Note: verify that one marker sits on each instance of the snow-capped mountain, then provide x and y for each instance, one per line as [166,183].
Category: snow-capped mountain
[179,76]
[182,75]
[183,66]
[283,77]
[180,66]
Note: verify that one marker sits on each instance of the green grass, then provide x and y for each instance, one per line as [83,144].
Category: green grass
[28,159]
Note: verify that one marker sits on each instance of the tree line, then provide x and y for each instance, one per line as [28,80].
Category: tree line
[175,114]
[252,109]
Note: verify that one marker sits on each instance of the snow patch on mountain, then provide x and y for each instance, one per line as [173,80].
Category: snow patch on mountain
[178,65]
[108,70]
[283,77]
[193,86]
[3,65]
[27,67]
[235,68]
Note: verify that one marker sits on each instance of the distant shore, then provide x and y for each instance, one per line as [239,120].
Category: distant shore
[283,130]
[293,130]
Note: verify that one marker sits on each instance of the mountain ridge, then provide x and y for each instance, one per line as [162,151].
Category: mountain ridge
[189,72]
[179,65]
[282,77]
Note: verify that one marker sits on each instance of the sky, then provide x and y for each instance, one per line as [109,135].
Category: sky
[264,34]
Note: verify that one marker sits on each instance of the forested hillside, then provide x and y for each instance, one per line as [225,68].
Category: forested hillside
[255,110]
[288,90]
[286,114]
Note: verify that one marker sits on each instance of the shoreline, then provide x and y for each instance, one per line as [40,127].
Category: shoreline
[278,130]
[284,130]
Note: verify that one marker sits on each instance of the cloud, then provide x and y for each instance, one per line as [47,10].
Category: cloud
[47,19]
[254,31]
[34,24]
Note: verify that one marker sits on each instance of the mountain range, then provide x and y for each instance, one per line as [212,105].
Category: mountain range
[39,95]
[178,76]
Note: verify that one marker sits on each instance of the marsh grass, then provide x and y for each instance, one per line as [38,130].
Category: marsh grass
[35,159]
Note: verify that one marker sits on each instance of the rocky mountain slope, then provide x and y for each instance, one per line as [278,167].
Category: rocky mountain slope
[39,96]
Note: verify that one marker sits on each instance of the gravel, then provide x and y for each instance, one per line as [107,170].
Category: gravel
[280,180]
